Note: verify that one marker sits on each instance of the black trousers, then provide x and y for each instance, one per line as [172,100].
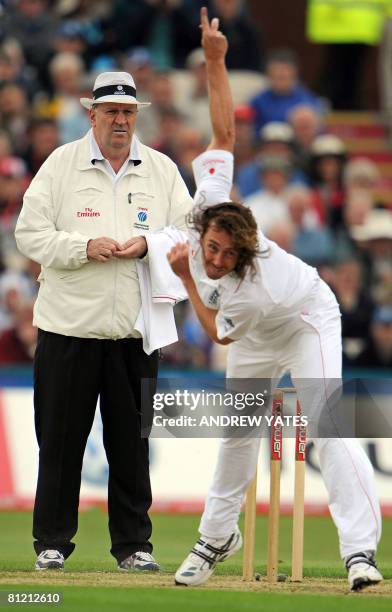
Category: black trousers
[69,376]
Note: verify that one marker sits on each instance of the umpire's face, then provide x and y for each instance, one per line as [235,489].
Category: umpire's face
[113,126]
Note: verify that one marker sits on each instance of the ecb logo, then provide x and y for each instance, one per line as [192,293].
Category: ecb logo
[142,216]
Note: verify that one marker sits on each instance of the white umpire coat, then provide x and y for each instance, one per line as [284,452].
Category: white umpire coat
[70,201]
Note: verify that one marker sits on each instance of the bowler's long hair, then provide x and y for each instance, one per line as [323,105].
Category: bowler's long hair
[238,221]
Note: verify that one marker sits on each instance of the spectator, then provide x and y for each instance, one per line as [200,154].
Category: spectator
[17,344]
[374,237]
[268,205]
[378,351]
[347,29]
[44,139]
[33,25]
[327,167]
[15,69]
[195,105]
[189,144]
[356,307]
[361,173]
[15,115]
[245,43]
[311,243]
[244,147]
[66,71]
[14,180]
[138,61]
[16,286]
[162,98]
[276,139]
[283,93]
[305,122]
[170,123]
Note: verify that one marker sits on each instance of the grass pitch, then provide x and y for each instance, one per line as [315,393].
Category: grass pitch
[91,581]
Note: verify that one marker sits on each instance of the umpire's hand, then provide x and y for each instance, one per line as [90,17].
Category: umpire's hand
[102,249]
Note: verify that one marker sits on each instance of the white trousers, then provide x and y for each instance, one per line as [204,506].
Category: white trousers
[308,348]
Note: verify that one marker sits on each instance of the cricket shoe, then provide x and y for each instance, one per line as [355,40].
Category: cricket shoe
[139,561]
[207,552]
[50,559]
[362,570]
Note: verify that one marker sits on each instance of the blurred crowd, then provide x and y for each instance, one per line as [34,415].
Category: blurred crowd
[307,193]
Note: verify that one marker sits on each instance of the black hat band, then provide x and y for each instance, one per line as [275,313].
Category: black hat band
[114,90]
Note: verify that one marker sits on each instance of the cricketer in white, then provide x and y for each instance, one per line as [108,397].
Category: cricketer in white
[280,318]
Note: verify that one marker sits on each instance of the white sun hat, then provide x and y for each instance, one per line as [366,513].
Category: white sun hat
[378,225]
[118,87]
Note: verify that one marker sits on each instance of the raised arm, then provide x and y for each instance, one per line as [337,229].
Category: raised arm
[221,104]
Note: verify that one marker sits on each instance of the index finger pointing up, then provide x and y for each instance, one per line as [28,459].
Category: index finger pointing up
[204,23]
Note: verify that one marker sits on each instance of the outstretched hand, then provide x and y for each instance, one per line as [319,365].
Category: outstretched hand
[213,41]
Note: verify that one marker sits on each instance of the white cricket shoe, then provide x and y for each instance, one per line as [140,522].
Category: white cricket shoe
[50,559]
[362,570]
[140,561]
[207,552]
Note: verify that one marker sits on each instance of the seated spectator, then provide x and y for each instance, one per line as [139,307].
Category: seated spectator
[305,122]
[138,62]
[14,180]
[16,286]
[245,46]
[275,139]
[244,147]
[15,115]
[17,344]
[195,105]
[5,145]
[44,138]
[162,98]
[15,68]
[170,122]
[361,173]
[356,307]
[312,243]
[374,237]
[284,91]
[33,25]
[268,204]
[327,168]
[378,350]
[189,144]
[66,72]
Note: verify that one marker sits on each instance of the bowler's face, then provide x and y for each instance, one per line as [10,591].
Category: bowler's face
[219,253]
[113,125]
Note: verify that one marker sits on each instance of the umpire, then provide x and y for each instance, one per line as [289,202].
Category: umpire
[84,218]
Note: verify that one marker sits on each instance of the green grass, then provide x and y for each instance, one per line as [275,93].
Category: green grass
[172,537]
[181,600]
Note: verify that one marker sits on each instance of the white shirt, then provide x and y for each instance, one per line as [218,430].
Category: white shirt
[96,156]
[283,285]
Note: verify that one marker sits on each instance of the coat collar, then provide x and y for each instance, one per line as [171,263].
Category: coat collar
[89,150]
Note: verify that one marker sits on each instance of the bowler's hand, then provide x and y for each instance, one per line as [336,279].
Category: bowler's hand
[133,248]
[178,258]
[101,249]
[213,42]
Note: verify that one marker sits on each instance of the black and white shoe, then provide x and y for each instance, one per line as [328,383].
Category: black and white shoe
[362,570]
[207,552]
[50,559]
[140,561]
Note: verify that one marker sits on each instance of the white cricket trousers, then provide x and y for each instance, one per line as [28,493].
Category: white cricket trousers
[309,347]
